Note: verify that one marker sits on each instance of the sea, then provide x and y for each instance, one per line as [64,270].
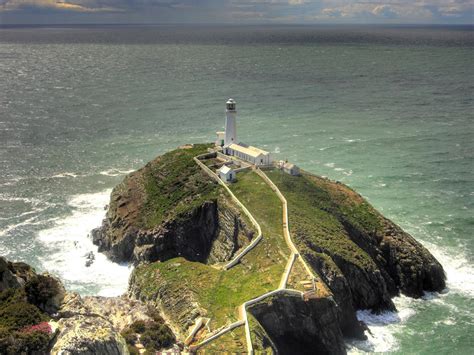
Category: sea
[387,110]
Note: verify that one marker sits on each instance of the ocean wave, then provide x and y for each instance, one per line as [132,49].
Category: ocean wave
[68,243]
[11,227]
[459,271]
[65,175]
[115,172]
[384,327]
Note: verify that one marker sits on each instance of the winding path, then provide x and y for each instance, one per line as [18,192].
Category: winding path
[243,319]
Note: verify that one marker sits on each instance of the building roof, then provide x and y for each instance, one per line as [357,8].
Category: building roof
[224,169]
[252,151]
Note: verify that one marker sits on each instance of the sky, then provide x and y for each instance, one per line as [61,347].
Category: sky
[237,11]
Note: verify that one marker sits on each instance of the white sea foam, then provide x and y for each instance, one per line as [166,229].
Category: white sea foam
[115,172]
[68,243]
[383,327]
[66,174]
[11,227]
[459,271]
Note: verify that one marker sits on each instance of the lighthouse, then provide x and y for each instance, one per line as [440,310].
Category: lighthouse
[230,124]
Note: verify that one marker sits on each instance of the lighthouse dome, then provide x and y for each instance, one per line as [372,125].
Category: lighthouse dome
[230,104]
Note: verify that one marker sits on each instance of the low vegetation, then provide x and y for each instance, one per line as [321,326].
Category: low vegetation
[23,327]
[322,212]
[174,184]
[154,334]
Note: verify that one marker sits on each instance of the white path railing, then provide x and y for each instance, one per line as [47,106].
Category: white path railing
[218,334]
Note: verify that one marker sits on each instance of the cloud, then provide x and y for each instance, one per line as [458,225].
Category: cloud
[290,11]
[56,5]
[385,11]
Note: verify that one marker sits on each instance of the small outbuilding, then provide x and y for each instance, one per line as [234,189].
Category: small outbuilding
[227,174]
[289,168]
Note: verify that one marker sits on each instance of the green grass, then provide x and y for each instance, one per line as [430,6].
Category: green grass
[319,212]
[175,184]
[232,342]
[221,292]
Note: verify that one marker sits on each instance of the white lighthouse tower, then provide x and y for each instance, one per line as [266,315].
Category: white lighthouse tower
[230,124]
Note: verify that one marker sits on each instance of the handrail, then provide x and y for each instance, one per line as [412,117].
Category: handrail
[218,334]
[286,274]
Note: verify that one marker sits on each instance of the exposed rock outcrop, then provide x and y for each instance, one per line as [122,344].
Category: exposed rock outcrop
[406,264]
[297,326]
[92,325]
[199,223]
[209,233]
[180,303]
[8,279]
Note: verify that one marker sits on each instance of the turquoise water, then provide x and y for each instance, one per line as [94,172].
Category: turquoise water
[388,111]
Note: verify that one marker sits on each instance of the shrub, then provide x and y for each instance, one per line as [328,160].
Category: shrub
[40,289]
[15,316]
[43,327]
[157,336]
[30,343]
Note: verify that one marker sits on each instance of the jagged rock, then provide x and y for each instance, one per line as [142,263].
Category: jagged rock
[209,231]
[182,303]
[88,335]
[298,326]
[92,325]
[7,278]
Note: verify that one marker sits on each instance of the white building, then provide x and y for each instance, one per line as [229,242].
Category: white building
[226,174]
[228,140]
[251,154]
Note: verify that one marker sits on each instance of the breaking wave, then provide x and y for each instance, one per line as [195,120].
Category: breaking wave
[69,243]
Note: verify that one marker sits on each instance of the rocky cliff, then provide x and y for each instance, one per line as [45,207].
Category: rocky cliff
[38,316]
[171,208]
[300,326]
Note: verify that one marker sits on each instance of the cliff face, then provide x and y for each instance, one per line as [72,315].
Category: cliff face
[186,216]
[299,326]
